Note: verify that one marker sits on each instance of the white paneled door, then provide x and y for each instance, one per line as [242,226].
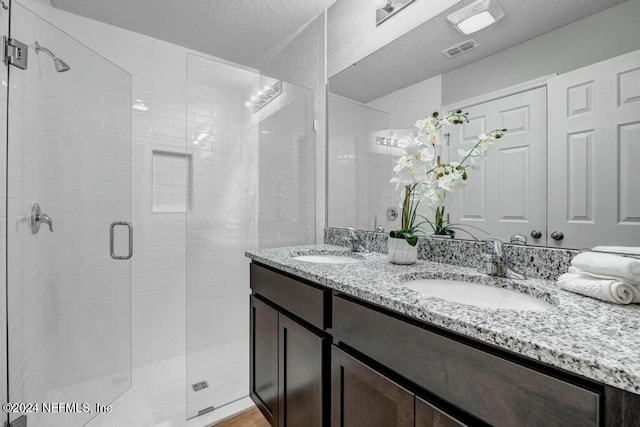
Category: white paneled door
[506,194]
[594,154]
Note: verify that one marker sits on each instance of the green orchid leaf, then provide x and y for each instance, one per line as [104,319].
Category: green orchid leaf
[411,238]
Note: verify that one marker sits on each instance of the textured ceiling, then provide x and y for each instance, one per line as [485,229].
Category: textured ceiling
[242,31]
[416,55]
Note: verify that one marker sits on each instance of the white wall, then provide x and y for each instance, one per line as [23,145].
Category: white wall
[407,105]
[303,62]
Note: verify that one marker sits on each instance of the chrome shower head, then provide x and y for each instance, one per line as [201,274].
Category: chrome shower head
[60,65]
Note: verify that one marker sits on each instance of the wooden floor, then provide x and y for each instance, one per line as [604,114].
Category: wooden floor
[250,418]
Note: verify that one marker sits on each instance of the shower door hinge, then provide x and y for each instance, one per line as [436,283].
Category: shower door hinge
[15,53]
[315,125]
[19,422]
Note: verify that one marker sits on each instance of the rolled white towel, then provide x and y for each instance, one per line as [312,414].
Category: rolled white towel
[626,269]
[575,270]
[615,291]
[627,250]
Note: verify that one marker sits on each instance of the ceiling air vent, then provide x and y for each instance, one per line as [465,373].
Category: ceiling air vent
[460,48]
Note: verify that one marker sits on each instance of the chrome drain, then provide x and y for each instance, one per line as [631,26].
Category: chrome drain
[199,386]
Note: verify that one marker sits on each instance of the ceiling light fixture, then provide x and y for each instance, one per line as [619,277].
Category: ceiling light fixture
[476,16]
[387,141]
[139,105]
[264,96]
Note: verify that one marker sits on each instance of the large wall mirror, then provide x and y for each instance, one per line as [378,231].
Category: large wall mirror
[562,77]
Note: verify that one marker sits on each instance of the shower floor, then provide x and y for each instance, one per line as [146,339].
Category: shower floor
[157,399]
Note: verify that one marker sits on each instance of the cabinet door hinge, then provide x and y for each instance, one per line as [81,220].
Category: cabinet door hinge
[15,53]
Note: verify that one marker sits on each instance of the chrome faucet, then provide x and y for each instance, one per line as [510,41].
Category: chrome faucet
[356,243]
[496,263]
[37,218]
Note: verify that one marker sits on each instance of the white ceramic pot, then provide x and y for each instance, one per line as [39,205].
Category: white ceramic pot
[401,252]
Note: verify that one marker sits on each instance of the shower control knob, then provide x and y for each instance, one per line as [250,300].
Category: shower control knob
[557,235]
[536,234]
[392,214]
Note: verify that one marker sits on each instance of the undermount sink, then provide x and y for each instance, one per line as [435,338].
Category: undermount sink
[484,296]
[327,259]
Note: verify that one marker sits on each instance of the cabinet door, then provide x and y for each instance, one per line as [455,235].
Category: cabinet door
[301,370]
[428,415]
[362,397]
[264,359]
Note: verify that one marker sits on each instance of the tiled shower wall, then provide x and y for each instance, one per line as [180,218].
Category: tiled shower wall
[158,269]
[159,79]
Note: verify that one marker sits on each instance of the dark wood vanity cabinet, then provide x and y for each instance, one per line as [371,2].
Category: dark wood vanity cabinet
[289,355]
[320,358]
[263,343]
[361,396]
[301,370]
[428,415]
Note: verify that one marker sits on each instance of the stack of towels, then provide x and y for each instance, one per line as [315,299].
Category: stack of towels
[605,276]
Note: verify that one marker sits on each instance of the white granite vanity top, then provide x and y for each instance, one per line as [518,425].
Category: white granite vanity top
[595,339]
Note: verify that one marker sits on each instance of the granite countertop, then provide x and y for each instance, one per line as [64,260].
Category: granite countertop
[595,339]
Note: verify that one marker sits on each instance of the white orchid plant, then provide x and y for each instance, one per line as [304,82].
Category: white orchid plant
[423,177]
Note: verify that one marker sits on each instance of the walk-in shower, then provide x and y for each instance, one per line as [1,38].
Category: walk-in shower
[149,133]
[60,65]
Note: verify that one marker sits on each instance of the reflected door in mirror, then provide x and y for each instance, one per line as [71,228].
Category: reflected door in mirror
[506,195]
[594,154]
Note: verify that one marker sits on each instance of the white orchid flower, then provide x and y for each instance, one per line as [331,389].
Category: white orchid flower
[433,137]
[424,123]
[447,182]
[410,145]
[409,172]
[472,162]
[426,154]
[435,196]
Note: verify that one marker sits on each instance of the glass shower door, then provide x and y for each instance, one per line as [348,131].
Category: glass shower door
[69,282]
[252,183]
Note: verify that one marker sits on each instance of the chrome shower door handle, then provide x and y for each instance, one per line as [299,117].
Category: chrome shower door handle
[112,240]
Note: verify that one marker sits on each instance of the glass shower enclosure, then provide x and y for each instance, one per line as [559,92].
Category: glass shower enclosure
[251,184]
[69,237]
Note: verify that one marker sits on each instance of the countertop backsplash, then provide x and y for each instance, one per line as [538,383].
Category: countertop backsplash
[539,262]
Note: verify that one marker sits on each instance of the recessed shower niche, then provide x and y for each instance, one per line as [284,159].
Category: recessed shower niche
[172,175]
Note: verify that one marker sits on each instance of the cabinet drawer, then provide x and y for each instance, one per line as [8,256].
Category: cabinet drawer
[303,300]
[496,390]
